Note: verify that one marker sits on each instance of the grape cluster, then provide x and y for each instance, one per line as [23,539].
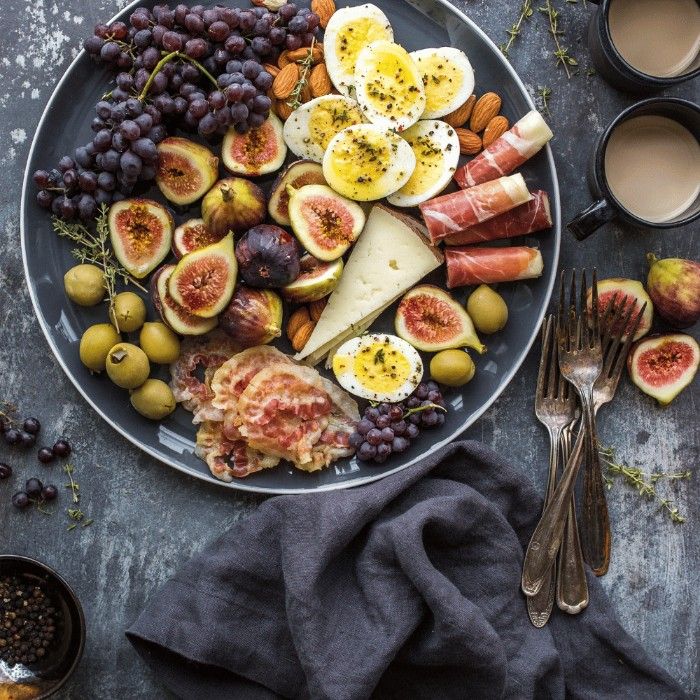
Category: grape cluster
[196,69]
[389,428]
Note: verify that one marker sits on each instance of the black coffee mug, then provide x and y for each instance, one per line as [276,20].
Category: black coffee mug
[607,207]
[612,66]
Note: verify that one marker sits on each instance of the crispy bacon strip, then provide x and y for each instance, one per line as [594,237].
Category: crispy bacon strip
[489,265]
[457,211]
[532,216]
[508,152]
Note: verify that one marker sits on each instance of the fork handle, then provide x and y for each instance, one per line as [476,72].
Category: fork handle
[545,541]
[596,537]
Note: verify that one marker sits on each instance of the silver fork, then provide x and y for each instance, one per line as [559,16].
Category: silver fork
[555,408]
[547,537]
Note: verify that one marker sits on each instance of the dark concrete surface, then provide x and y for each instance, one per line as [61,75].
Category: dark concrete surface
[149,518]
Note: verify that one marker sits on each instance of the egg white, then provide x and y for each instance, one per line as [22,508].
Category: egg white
[364,367]
[436,147]
[349,30]
[448,79]
[310,128]
[366,162]
[389,86]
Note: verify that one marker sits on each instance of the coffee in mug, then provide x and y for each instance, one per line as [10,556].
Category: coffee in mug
[652,167]
[661,39]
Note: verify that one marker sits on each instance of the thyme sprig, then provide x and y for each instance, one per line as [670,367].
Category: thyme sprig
[544,93]
[305,66]
[561,53]
[76,513]
[643,482]
[94,248]
[526,12]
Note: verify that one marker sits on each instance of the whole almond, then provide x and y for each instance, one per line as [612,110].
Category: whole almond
[301,337]
[285,81]
[485,109]
[282,61]
[302,54]
[319,82]
[469,142]
[296,321]
[306,95]
[316,308]
[272,70]
[461,115]
[495,128]
[283,110]
[324,9]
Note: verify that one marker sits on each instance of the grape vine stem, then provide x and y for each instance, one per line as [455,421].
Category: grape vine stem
[166,59]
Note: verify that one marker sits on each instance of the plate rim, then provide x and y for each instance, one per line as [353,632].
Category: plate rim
[349,483]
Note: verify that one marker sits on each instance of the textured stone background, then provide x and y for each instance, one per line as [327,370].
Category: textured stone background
[149,518]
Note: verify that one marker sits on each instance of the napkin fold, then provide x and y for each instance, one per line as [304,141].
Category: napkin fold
[408,587]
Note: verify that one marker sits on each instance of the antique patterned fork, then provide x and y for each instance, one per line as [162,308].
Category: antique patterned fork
[547,537]
[555,408]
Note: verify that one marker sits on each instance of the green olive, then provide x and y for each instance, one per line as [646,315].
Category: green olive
[127,365]
[452,368]
[129,312]
[85,284]
[158,342]
[153,399]
[96,343]
[487,309]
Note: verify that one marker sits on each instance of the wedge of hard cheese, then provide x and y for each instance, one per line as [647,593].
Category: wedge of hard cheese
[391,255]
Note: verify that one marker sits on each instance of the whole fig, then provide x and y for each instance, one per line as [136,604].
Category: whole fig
[268,256]
[674,287]
[253,316]
[233,204]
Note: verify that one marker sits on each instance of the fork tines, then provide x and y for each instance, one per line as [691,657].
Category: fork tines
[582,329]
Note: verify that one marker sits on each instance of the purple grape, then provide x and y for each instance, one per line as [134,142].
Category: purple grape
[383,452]
[400,444]
[387,434]
[383,421]
[207,125]
[261,45]
[366,452]
[374,436]
[255,120]
[44,199]
[399,427]
[355,441]
[172,41]
[218,30]
[196,48]
[41,178]
[364,426]
[412,431]
[129,130]
[235,44]
[130,164]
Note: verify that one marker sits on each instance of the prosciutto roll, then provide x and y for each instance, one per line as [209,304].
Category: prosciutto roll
[490,265]
[532,216]
[454,212]
[506,153]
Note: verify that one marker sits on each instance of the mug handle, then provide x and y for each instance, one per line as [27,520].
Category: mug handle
[591,219]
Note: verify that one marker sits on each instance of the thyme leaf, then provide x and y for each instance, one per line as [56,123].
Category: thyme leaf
[305,66]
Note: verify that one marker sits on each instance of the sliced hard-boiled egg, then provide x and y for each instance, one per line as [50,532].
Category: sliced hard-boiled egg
[448,79]
[436,147]
[378,367]
[310,128]
[389,86]
[366,162]
[349,30]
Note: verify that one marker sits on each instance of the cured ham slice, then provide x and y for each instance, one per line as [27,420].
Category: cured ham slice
[532,216]
[229,459]
[234,375]
[200,354]
[508,152]
[490,265]
[457,211]
[292,412]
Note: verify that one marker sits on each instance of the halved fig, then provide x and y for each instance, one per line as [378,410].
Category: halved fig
[141,232]
[186,170]
[192,235]
[298,174]
[431,320]
[203,280]
[173,315]
[663,365]
[252,317]
[317,279]
[233,204]
[620,289]
[325,223]
[258,151]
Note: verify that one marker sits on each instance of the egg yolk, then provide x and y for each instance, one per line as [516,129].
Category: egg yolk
[360,159]
[390,83]
[328,118]
[354,36]
[429,164]
[442,80]
[378,367]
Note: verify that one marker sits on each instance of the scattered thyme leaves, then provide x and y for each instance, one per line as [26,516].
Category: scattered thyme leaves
[94,248]
[561,53]
[74,486]
[526,12]
[544,93]
[75,514]
[644,483]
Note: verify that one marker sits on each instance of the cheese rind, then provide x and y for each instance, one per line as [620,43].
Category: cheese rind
[390,256]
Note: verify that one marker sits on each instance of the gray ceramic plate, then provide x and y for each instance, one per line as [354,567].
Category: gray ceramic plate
[66,124]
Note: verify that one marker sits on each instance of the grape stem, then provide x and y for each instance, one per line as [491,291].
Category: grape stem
[427,407]
[167,58]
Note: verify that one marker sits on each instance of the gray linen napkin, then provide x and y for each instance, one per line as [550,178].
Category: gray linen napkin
[405,588]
